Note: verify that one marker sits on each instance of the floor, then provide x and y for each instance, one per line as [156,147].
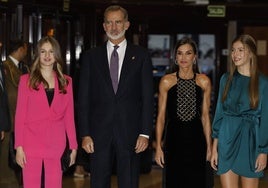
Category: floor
[148,180]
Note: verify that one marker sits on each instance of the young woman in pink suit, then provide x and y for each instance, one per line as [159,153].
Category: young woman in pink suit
[44,116]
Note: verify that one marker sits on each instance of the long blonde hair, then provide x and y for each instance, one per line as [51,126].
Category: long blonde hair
[249,42]
[35,74]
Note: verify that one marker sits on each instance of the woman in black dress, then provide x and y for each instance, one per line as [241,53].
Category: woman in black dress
[183,106]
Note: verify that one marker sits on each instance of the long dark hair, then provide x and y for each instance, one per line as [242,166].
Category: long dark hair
[183,41]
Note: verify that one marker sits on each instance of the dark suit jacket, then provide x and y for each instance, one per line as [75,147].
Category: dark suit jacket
[12,75]
[5,121]
[126,114]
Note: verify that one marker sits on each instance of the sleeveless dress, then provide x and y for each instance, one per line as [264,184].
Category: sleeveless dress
[185,145]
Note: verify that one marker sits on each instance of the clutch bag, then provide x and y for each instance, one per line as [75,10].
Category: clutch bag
[66,159]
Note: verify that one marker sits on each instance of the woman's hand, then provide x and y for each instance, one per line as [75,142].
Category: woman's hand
[261,162]
[20,157]
[214,160]
[209,154]
[214,155]
[73,156]
[159,157]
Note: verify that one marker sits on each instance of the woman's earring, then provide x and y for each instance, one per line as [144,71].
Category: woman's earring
[176,63]
[194,62]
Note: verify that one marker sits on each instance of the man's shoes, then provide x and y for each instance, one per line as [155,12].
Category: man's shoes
[80,172]
[78,175]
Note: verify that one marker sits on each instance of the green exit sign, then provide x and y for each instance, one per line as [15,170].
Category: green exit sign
[216,11]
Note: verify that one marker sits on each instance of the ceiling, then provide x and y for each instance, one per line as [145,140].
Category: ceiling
[143,2]
[148,5]
[174,2]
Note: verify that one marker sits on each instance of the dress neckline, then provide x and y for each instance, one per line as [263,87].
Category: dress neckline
[242,75]
[179,78]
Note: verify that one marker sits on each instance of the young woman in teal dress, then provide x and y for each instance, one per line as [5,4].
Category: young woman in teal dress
[240,125]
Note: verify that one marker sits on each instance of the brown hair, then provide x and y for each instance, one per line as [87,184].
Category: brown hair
[250,43]
[35,74]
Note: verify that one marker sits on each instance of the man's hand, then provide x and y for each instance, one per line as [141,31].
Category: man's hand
[2,135]
[141,144]
[88,144]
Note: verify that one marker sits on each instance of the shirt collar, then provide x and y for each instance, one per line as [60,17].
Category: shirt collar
[121,44]
[16,62]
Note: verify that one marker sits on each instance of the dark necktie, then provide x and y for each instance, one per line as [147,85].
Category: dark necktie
[20,65]
[114,66]
[22,68]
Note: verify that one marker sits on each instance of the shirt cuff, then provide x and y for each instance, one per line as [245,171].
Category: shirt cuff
[144,135]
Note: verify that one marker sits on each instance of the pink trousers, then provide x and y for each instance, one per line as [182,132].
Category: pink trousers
[33,169]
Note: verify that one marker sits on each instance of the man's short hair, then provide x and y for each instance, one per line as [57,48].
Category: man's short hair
[16,44]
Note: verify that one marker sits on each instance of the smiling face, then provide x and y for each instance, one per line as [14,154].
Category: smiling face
[240,54]
[47,57]
[185,56]
[115,26]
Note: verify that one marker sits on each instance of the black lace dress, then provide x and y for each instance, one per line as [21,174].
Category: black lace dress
[185,145]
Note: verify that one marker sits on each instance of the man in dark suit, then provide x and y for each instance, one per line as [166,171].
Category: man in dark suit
[5,123]
[14,68]
[115,113]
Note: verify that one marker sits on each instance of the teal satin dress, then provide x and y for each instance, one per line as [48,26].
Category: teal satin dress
[242,132]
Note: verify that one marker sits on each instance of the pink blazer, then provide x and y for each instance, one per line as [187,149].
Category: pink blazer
[39,128]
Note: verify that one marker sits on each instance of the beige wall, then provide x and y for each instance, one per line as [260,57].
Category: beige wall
[261,36]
